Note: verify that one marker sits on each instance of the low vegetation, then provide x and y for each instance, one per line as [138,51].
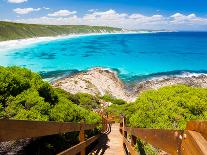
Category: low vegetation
[113,100]
[25,96]
[166,108]
[12,31]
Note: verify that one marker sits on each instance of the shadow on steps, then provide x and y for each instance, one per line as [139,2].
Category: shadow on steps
[102,146]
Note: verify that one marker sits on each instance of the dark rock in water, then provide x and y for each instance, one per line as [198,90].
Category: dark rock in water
[86,55]
[57,74]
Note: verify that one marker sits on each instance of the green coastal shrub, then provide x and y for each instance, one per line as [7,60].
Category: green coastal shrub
[88,101]
[25,96]
[27,105]
[113,100]
[84,100]
[169,107]
[166,108]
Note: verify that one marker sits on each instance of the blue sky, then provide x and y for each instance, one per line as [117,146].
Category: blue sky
[129,14]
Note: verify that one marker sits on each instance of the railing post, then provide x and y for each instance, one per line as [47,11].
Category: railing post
[82,138]
[123,126]
[103,124]
[106,123]
[133,140]
[124,134]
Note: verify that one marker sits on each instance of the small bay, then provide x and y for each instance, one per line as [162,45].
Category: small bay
[133,55]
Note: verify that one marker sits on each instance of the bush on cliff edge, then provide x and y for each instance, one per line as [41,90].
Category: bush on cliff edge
[25,96]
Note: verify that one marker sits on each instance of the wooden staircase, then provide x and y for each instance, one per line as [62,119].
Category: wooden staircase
[116,138]
[110,142]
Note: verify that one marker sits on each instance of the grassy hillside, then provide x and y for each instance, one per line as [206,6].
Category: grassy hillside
[11,31]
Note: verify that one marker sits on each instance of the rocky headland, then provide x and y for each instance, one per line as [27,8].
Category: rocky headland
[101,81]
[96,81]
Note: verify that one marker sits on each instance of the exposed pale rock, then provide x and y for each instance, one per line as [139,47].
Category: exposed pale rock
[96,81]
[100,81]
[194,81]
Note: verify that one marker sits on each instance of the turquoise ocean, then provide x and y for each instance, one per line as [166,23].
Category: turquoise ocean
[133,56]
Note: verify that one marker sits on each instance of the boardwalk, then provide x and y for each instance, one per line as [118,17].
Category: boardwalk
[111,143]
[191,141]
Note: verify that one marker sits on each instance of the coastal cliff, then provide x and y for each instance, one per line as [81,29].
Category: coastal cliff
[101,81]
[13,31]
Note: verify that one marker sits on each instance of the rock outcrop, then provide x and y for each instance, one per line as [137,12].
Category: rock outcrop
[96,81]
[195,81]
[101,81]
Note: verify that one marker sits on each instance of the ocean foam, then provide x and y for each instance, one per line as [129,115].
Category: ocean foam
[183,75]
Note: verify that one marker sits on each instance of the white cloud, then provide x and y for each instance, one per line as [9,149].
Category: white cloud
[142,19]
[190,19]
[23,11]
[111,17]
[17,1]
[46,8]
[136,16]
[62,13]
[109,12]
[107,15]
[92,10]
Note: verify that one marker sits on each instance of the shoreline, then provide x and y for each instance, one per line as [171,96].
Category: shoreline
[101,81]
[53,76]
[22,43]
[148,77]
[163,75]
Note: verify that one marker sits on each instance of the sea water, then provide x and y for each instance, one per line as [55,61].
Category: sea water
[132,55]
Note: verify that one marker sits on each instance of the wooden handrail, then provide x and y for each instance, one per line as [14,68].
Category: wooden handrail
[198,126]
[19,129]
[191,141]
[175,142]
[81,146]
[167,140]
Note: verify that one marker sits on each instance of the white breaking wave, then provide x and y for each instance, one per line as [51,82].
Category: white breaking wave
[188,74]
[183,75]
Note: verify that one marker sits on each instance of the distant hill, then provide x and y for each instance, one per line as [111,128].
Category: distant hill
[11,31]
